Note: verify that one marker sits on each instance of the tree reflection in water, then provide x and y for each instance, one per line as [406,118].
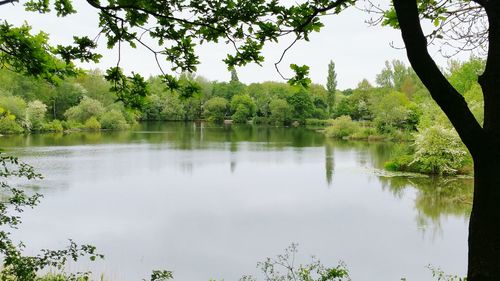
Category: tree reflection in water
[436,198]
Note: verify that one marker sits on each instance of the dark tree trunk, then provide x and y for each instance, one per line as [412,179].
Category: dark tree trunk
[484,226]
[483,143]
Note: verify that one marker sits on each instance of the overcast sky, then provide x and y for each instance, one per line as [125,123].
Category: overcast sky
[358,50]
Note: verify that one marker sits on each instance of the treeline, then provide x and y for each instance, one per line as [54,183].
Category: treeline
[86,103]
[399,107]
[270,102]
[81,103]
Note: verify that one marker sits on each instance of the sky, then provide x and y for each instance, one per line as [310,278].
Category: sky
[358,49]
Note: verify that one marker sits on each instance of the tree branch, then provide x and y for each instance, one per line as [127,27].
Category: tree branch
[3,2]
[446,96]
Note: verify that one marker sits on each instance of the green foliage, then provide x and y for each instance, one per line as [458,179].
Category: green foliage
[65,96]
[243,108]
[113,120]
[331,84]
[8,125]
[283,268]
[463,76]
[86,109]
[393,111]
[35,115]
[301,76]
[92,124]
[441,276]
[342,127]
[241,115]
[131,90]
[15,105]
[161,275]
[173,109]
[30,54]
[281,112]
[54,126]
[439,151]
[301,105]
[234,76]
[215,109]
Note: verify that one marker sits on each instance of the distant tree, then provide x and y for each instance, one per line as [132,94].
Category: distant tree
[301,104]
[331,84]
[242,107]
[215,109]
[234,76]
[280,111]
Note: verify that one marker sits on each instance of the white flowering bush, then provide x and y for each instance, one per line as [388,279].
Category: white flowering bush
[439,150]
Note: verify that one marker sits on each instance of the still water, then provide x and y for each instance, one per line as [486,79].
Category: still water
[210,202]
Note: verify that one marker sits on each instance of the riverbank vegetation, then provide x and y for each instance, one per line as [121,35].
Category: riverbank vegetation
[397,108]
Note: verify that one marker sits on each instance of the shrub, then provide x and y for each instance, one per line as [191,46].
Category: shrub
[71,125]
[318,122]
[342,127]
[113,120]
[84,110]
[14,105]
[92,124]
[35,115]
[439,151]
[215,109]
[8,125]
[259,120]
[53,126]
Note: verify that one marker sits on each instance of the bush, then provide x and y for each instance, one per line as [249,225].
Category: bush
[53,126]
[92,124]
[342,127]
[35,115]
[366,133]
[113,120]
[8,125]
[15,105]
[318,122]
[259,120]
[439,151]
[71,125]
[84,110]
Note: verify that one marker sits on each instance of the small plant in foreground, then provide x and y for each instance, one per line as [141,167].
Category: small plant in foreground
[283,268]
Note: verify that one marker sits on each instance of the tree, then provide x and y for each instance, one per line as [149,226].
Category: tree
[215,109]
[234,76]
[247,25]
[331,84]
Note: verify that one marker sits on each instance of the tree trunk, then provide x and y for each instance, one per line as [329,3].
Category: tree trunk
[484,226]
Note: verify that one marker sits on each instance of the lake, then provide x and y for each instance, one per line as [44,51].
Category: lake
[208,201]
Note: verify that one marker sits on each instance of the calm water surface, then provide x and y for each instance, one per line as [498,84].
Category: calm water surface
[210,202]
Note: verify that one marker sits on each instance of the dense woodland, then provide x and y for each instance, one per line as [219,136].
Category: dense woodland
[397,108]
